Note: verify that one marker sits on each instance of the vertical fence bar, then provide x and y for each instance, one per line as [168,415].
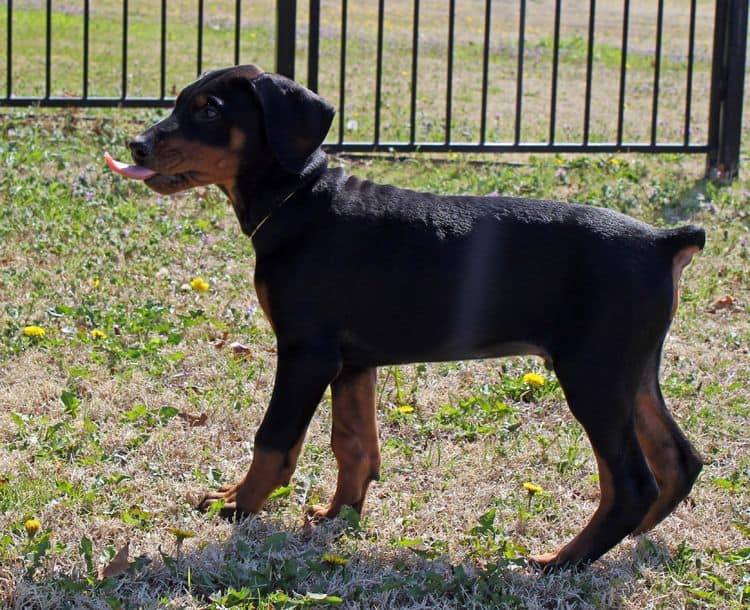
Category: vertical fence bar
[589,73]
[519,76]
[199,67]
[718,84]
[727,82]
[657,71]
[623,71]
[86,17]
[379,70]
[449,85]
[237,29]
[163,52]
[689,83]
[286,24]
[555,66]
[485,71]
[9,50]
[313,46]
[414,65]
[342,74]
[48,52]
[124,83]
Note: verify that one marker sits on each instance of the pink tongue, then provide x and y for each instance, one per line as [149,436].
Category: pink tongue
[129,171]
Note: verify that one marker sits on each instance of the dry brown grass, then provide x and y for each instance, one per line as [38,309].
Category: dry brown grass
[435,485]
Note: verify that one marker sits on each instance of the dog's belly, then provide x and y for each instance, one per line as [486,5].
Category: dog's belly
[385,347]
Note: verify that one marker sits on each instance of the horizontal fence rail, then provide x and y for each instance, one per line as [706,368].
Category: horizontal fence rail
[560,76]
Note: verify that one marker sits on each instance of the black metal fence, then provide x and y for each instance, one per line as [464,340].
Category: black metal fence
[405,75]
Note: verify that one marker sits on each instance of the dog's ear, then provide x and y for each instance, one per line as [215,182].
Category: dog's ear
[296,120]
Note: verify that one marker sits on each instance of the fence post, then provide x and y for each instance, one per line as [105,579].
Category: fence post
[286,21]
[313,46]
[727,82]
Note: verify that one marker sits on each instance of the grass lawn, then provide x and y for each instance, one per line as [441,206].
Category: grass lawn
[132,404]
[127,401]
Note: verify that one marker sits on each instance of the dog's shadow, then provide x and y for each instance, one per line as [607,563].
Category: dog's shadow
[682,205]
[331,563]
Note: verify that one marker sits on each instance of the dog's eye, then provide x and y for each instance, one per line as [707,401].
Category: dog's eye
[210,111]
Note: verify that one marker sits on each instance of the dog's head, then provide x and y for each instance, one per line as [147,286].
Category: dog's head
[229,121]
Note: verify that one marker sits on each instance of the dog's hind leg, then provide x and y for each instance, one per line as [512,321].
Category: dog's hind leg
[671,458]
[354,439]
[601,394]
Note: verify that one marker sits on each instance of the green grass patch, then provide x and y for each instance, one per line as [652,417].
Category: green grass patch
[130,404]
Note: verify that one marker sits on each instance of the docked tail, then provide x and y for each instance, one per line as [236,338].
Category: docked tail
[680,238]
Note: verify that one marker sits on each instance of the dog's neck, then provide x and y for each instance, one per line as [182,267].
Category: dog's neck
[257,195]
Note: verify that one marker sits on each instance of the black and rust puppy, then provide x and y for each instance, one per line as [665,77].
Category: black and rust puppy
[354,275]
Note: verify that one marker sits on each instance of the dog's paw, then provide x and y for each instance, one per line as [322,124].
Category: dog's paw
[544,562]
[226,496]
[551,562]
[319,512]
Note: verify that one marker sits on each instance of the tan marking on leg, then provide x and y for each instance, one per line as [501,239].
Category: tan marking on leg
[261,290]
[671,458]
[355,442]
[679,262]
[580,547]
[269,469]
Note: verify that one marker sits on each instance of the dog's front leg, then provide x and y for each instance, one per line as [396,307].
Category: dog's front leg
[302,376]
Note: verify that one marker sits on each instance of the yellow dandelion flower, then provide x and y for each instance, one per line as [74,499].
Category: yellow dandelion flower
[34,331]
[98,334]
[531,488]
[405,409]
[180,534]
[199,284]
[336,560]
[614,161]
[94,282]
[32,526]
[534,380]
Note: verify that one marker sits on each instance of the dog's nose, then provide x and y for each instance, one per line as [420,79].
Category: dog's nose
[139,149]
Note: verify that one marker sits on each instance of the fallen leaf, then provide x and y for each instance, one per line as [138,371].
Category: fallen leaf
[240,350]
[193,420]
[118,564]
[725,303]
[221,341]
